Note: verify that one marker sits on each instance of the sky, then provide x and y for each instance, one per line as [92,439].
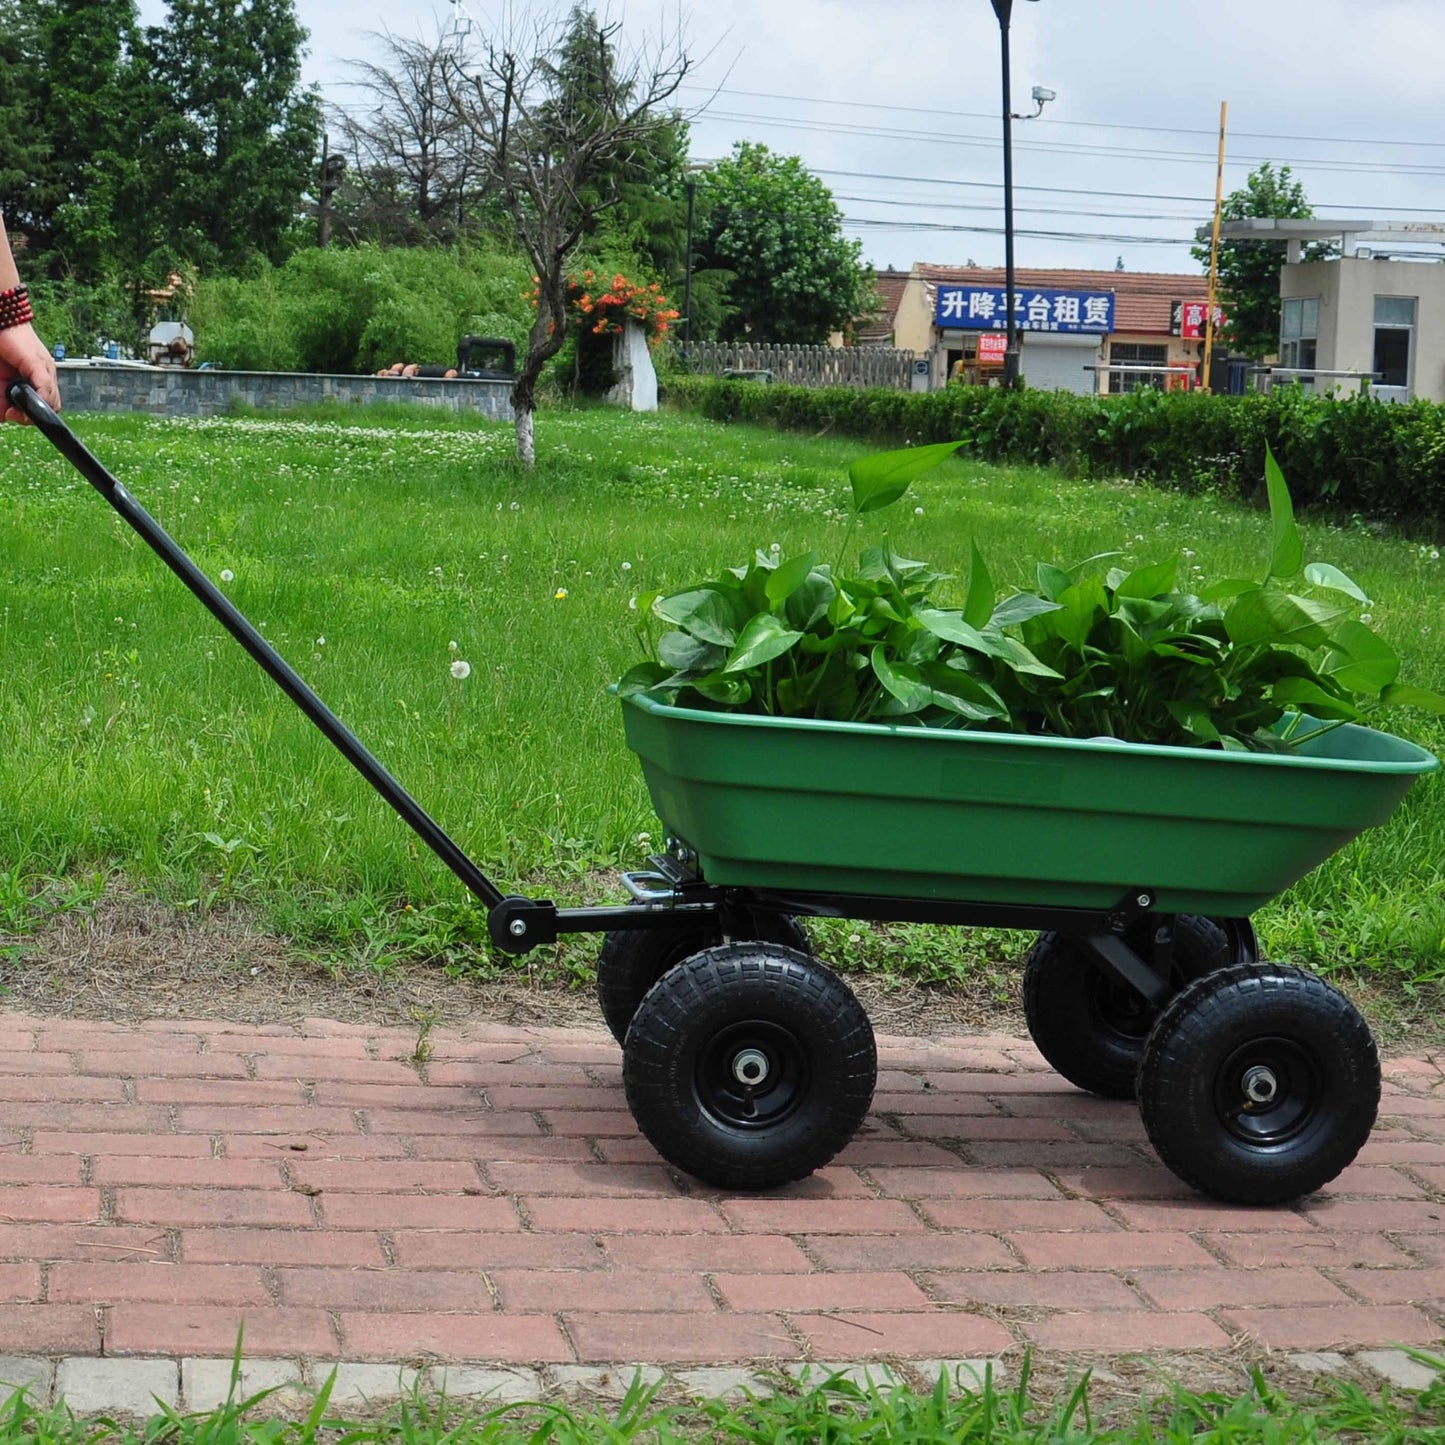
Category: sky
[896,104]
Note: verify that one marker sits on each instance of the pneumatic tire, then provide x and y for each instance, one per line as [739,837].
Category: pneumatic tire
[631,960]
[1259,1084]
[749,1065]
[1090,1027]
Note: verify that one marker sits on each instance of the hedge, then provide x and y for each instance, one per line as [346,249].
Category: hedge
[1376,460]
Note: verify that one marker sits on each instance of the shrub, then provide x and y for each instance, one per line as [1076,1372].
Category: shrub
[1360,456]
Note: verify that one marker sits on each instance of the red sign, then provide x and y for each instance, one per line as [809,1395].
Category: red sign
[992,346]
[1192,316]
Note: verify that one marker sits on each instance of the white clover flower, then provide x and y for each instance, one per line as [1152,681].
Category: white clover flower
[321,642]
[452,648]
[1434,554]
[627,566]
[632,604]
[774,547]
[227,575]
[1189,551]
[855,938]
[461,670]
[918,511]
[644,837]
[1366,618]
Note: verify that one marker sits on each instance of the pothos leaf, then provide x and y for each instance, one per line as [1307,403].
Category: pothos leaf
[1326,574]
[884,477]
[1400,694]
[978,607]
[902,680]
[1288,554]
[705,612]
[762,640]
[788,577]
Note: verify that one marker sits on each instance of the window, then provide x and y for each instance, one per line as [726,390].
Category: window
[1394,327]
[1129,353]
[1298,334]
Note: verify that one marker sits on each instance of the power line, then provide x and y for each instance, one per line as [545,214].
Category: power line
[917,205]
[865,223]
[1089,124]
[1065,148]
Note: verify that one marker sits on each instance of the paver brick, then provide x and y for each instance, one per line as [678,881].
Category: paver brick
[34,1329]
[1136,1181]
[833,1216]
[1014,1214]
[42,1204]
[81,1241]
[271,1093]
[207,1173]
[158,1282]
[520,1339]
[129,1387]
[927,1250]
[946,1126]
[195,1146]
[582,1180]
[469,1146]
[473,1249]
[1061,1289]
[1205,1289]
[862,1336]
[853,1290]
[280,1246]
[713,1338]
[20,1282]
[1255,1251]
[399,1290]
[1396,1286]
[264,1119]
[206,1384]
[358,1176]
[417,1211]
[212,1206]
[707,1253]
[160,1063]
[58,1169]
[1104,1250]
[623,1216]
[151,1329]
[959,1181]
[316,1067]
[1319,1327]
[481,1122]
[1193,1214]
[590,1123]
[315,1145]
[896,1154]
[539,1291]
[1118,1332]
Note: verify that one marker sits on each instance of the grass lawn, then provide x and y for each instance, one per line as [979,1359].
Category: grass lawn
[138,743]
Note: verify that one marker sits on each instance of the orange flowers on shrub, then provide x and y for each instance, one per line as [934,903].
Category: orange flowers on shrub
[603,311]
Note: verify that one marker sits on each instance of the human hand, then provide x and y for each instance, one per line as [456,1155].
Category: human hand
[23,357]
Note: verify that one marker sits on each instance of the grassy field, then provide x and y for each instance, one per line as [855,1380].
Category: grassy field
[836,1411]
[139,745]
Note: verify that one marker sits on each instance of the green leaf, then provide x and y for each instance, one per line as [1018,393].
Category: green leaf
[951,627]
[902,680]
[978,606]
[1053,581]
[762,640]
[789,576]
[642,678]
[1400,694]
[1194,720]
[1359,660]
[705,612]
[1227,590]
[1020,659]
[1019,608]
[1268,615]
[1288,554]
[728,691]
[1325,574]
[1307,696]
[809,603]
[884,477]
[683,652]
[1149,582]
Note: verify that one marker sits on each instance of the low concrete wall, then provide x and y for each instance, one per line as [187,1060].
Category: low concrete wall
[174,392]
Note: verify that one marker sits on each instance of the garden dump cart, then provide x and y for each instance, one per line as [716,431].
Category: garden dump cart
[749,1063]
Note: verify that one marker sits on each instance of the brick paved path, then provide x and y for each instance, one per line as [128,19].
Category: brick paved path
[160,1183]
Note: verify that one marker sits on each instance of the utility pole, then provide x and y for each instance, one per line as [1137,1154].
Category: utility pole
[1214,248]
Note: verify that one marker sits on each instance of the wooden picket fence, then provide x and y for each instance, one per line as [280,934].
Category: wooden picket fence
[805,365]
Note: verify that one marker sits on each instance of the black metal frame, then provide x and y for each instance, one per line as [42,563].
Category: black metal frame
[673,896]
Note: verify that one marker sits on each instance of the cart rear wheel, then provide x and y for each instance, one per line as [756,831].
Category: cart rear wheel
[1090,1027]
[633,959]
[750,1065]
[1259,1083]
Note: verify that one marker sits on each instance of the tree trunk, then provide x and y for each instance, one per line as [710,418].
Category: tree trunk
[526,440]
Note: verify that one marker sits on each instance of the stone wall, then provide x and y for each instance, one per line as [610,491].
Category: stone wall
[174,392]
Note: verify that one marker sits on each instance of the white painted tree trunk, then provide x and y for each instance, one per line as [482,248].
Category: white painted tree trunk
[526,439]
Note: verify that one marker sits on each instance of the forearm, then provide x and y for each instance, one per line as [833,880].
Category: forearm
[9,275]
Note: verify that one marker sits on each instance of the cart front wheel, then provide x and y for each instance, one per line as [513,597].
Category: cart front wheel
[750,1065]
[1259,1084]
[633,959]
[1089,1026]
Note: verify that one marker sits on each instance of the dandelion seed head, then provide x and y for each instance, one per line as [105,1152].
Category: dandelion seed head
[627,566]
[461,670]
[918,511]
[227,575]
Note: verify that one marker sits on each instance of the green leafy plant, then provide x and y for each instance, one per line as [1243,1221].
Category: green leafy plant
[1094,652]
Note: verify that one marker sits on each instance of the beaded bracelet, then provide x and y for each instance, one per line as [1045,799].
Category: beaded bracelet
[15,308]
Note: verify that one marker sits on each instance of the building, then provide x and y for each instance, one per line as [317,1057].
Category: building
[1373,316]
[1083,331]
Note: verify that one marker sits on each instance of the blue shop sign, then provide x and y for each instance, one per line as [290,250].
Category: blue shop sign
[981,308]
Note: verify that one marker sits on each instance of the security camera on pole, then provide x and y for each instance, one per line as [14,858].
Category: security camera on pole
[1041,96]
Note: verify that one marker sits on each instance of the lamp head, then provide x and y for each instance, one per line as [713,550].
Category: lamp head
[1042,95]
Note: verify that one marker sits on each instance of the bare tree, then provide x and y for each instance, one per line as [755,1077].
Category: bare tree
[557,120]
[415,163]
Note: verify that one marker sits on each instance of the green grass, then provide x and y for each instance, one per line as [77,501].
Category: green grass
[836,1411]
[138,742]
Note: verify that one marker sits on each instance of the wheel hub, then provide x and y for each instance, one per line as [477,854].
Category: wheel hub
[1260,1085]
[750,1068]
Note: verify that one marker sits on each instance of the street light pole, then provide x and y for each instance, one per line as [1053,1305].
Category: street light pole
[1012,368]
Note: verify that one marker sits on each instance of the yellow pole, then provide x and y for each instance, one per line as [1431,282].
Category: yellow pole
[1214,247]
